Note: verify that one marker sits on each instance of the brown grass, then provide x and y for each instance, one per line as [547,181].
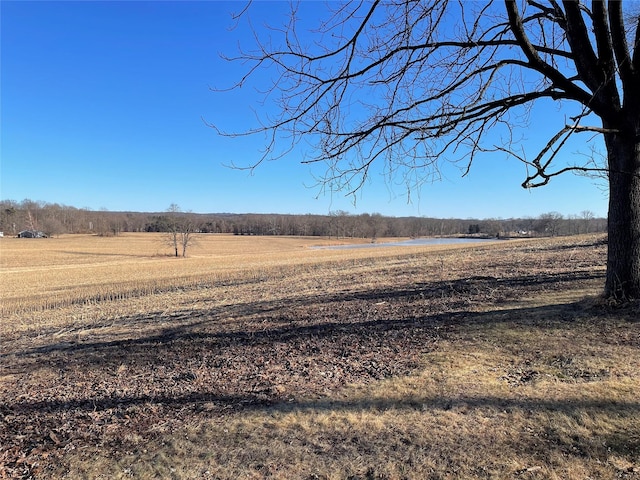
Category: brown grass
[84,269]
[494,361]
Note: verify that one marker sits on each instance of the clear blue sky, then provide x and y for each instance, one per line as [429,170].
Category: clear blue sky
[103,106]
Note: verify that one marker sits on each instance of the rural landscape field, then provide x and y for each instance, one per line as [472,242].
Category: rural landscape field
[263,357]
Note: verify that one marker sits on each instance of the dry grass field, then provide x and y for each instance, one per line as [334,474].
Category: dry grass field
[85,269]
[260,357]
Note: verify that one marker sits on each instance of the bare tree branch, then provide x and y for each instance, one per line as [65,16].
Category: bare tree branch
[401,87]
[413,121]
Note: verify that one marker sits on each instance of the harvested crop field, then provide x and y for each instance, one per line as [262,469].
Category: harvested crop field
[481,361]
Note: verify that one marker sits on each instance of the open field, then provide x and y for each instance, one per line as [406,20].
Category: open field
[50,273]
[260,358]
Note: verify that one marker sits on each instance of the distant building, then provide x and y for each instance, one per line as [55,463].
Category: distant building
[31,234]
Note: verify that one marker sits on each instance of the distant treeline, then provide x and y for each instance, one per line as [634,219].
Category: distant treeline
[55,219]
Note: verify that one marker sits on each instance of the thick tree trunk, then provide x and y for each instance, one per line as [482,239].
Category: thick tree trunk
[623,259]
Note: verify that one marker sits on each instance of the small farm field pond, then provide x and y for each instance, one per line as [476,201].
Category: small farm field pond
[414,242]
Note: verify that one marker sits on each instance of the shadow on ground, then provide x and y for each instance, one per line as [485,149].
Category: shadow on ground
[290,354]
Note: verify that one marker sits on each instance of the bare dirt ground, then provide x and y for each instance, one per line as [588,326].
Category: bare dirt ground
[123,385]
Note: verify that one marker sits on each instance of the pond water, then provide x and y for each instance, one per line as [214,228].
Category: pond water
[410,243]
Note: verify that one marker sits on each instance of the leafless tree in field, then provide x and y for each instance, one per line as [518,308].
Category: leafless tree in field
[181,230]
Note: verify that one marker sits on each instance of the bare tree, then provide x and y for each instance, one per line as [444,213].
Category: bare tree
[378,226]
[173,227]
[187,234]
[549,223]
[32,221]
[180,230]
[587,217]
[8,211]
[409,84]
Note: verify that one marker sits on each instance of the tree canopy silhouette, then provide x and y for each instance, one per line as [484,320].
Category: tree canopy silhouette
[410,84]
